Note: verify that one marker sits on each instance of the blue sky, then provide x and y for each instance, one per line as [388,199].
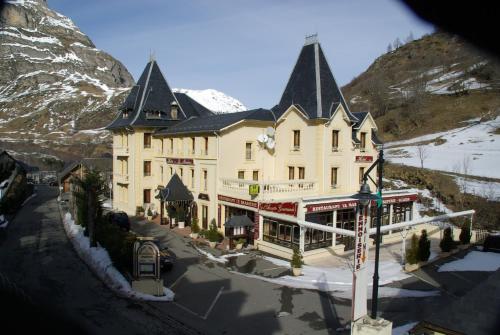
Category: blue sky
[244,48]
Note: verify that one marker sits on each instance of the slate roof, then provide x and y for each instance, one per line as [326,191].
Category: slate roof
[100,164]
[216,122]
[361,117]
[175,191]
[312,86]
[152,94]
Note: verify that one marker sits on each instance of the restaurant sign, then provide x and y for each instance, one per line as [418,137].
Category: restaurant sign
[364,159]
[397,199]
[330,206]
[236,201]
[286,208]
[180,161]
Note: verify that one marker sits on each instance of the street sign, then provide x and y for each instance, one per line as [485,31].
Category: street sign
[254,189]
[360,275]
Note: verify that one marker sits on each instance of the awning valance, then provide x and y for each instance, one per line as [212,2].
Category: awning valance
[175,191]
[238,221]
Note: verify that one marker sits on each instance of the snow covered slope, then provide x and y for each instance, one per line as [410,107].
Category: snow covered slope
[477,145]
[53,81]
[214,100]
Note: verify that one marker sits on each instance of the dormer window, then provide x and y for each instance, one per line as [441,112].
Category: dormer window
[174,110]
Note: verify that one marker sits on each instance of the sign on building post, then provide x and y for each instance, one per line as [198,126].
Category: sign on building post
[360,275]
[253,189]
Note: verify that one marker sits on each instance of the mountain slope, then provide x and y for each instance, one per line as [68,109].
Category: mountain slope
[214,100]
[428,85]
[53,81]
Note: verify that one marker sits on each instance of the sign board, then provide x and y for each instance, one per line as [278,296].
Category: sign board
[330,206]
[203,196]
[364,159]
[286,208]
[236,201]
[360,275]
[146,259]
[397,199]
[180,161]
[254,189]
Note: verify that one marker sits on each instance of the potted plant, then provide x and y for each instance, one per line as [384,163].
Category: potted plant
[424,248]
[213,235]
[139,211]
[412,253]
[181,216]
[296,262]
[464,236]
[195,228]
[239,243]
[150,214]
[447,243]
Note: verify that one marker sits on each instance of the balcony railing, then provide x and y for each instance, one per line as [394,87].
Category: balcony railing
[270,188]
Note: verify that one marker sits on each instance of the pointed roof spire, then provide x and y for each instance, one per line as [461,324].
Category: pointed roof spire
[312,85]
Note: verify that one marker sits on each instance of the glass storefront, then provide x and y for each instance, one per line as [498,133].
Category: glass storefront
[346,219]
[315,239]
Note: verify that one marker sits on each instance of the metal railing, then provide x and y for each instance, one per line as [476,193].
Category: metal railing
[270,187]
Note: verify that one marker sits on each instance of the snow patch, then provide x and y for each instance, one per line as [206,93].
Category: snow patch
[214,100]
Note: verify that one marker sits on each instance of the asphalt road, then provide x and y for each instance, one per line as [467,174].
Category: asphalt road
[45,285]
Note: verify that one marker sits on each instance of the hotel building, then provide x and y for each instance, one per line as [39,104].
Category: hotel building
[303,159]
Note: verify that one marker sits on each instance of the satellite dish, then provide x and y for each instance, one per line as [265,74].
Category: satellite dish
[270,131]
[262,138]
[270,144]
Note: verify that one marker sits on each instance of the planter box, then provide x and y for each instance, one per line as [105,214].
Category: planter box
[443,254]
[297,271]
[149,217]
[181,224]
[411,267]
[194,235]
[239,246]
[212,244]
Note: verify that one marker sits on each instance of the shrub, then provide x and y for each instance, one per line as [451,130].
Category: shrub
[465,234]
[424,247]
[412,253]
[241,241]
[119,245]
[139,210]
[296,261]
[150,212]
[195,228]
[213,234]
[447,243]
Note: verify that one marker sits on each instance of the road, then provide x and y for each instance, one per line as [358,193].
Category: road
[46,283]
[50,288]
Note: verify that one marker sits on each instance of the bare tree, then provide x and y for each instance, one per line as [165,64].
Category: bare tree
[389,48]
[423,154]
[397,43]
[410,37]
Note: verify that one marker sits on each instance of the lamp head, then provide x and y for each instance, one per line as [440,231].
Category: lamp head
[364,196]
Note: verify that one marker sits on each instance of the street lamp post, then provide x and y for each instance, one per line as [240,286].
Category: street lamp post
[365,197]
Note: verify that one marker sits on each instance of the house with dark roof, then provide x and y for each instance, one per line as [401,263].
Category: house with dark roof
[301,160]
[79,168]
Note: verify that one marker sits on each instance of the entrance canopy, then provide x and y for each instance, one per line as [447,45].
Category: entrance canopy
[238,221]
[175,192]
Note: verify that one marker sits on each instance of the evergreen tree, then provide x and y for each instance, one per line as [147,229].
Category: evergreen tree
[412,253]
[465,234]
[447,242]
[424,247]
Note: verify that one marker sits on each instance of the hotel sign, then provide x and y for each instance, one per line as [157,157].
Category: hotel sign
[253,189]
[180,161]
[330,206]
[364,159]
[236,201]
[397,199]
[286,208]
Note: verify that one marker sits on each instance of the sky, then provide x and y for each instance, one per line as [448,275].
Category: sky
[246,49]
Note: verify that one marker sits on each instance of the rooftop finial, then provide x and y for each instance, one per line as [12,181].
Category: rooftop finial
[151,56]
[311,39]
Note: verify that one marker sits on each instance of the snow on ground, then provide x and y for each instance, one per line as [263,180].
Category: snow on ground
[98,260]
[404,329]
[338,280]
[436,203]
[214,100]
[474,142]
[486,189]
[474,261]
[221,259]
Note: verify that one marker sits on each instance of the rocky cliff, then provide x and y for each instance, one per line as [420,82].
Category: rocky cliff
[54,83]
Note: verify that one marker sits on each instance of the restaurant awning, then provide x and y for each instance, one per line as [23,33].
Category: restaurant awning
[238,221]
[175,191]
